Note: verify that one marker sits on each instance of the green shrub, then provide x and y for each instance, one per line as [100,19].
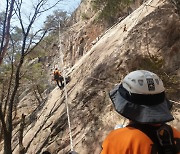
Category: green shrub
[110,9]
[84,16]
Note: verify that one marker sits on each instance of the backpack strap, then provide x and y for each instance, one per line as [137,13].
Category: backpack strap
[166,139]
[162,136]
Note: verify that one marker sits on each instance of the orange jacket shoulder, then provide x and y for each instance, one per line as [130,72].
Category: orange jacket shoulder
[126,141]
[176,133]
[57,72]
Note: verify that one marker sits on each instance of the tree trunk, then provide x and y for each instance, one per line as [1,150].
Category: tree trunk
[39,92]
[21,130]
[37,97]
[1,132]
[9,126]
[7,143]
[6,27]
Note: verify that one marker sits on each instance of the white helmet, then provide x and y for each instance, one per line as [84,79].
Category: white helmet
[143,82]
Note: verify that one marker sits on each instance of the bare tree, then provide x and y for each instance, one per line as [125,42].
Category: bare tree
[6,28]
[29,41]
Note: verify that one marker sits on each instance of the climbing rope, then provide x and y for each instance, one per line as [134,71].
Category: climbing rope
[65,90]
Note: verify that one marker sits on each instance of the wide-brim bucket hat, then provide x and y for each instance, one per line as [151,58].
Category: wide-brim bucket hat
[145,108]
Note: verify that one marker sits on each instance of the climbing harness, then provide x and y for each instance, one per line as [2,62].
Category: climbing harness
[65,90]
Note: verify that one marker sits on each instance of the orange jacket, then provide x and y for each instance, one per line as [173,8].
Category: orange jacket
[57,74]
[129,140]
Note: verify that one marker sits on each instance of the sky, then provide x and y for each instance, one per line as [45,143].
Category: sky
[64,5]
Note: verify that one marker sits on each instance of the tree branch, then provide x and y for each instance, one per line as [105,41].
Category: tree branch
[50,7]
[10,83]
[31,39]
[18,13]
[6,36]
[4,28]
[2,119]
[28,51]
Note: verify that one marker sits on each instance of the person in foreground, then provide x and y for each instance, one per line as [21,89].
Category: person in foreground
[140,97]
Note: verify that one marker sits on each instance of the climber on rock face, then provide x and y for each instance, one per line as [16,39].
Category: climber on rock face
[58,78]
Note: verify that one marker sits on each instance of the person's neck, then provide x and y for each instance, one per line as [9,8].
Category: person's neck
[155,125]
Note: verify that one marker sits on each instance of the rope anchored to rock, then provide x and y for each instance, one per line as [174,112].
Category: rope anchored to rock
[66,95]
